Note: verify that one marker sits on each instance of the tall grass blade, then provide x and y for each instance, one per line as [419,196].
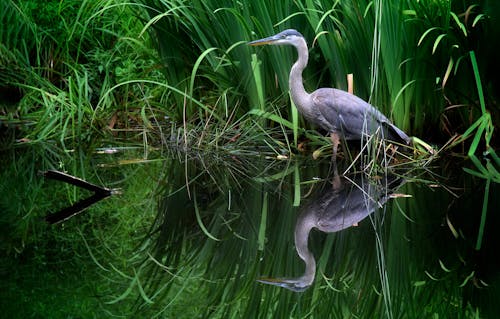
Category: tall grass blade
[258,82]
[479,86]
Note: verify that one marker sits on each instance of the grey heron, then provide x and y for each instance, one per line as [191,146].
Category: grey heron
[340,113]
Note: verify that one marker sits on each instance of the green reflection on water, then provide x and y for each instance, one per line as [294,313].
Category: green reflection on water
[190,237]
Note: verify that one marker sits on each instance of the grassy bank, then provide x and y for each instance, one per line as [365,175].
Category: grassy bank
[80,69]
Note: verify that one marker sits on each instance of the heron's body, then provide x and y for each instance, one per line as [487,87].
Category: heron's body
[340,113]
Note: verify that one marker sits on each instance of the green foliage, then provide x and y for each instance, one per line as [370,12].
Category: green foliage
[179,73]
[51,16]
[68,76]
[211,75]
[448,33]
[385,44]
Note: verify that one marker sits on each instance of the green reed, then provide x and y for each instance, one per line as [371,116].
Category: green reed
[383,44]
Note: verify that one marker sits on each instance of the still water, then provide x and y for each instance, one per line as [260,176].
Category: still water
[194,235]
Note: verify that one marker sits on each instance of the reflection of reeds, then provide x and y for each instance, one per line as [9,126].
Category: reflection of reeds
[251,234]
[176,270]
[482,131]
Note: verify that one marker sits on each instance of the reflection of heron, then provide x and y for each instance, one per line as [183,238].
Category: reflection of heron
[337,208]
[338,112]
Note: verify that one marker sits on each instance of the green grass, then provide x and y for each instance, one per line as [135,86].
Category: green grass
[89,75]
[69,66]
[176,78]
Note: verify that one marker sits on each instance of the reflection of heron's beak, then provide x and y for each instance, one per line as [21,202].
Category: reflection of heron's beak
[271,281]
[291,284]
[268,40]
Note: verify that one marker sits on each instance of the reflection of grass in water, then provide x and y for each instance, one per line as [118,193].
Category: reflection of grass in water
[105,261]
[224,270]
[48,271]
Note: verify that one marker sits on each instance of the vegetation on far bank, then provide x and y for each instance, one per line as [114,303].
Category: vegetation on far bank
[72,70]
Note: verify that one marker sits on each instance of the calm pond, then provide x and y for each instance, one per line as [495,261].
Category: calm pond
[193,235]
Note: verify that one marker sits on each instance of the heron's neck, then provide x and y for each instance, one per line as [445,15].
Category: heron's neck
[304,225]
[299,95]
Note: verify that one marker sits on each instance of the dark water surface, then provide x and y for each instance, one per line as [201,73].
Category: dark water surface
[200,235]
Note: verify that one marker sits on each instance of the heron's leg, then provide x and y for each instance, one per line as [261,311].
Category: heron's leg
[335,141]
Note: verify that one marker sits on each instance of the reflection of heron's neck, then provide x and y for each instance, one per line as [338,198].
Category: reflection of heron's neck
[302,229]
[299,95]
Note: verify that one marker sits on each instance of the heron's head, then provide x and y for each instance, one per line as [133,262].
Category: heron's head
[290,37]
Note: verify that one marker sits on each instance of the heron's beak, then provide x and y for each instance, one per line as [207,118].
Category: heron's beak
[268,40]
